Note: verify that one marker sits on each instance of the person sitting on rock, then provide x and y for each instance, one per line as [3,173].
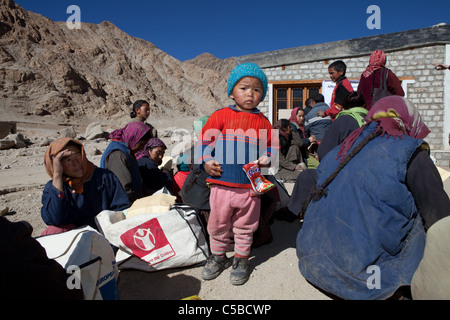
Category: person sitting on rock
[79,190]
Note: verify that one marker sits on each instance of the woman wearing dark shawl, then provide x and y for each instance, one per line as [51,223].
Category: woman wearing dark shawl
[149,160]
[377,194]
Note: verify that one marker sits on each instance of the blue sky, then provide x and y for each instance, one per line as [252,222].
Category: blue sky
[186,28]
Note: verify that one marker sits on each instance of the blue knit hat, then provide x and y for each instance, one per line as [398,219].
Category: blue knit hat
[247,70]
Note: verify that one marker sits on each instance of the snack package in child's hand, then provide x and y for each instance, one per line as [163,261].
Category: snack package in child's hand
[259,183]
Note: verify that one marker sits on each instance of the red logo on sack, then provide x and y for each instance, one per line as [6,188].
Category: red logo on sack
[148,242]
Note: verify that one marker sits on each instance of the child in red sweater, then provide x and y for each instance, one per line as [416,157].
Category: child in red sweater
[232,137]
[343,87]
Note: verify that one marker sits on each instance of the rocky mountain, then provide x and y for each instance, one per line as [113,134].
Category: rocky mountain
[207,60]
[97,72]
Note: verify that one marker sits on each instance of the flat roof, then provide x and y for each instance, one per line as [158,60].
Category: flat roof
[435,35]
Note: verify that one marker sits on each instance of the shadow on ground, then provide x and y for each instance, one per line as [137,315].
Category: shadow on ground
[180,283]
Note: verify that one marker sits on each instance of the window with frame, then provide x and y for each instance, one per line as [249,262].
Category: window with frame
[290,95]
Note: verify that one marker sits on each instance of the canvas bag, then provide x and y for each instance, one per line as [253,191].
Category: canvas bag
[382,91]
[431,280]
[88,250]
[156,241]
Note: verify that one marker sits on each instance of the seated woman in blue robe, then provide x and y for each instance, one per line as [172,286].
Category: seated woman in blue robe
[79,190]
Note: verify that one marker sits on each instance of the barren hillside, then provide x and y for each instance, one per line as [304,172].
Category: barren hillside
[96,73]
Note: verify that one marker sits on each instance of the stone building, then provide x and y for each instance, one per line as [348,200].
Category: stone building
[295,74]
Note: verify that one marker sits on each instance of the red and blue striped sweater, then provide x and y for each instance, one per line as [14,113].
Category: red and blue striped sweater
[234,138]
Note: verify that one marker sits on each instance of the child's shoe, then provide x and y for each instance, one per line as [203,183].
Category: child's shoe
[240,273]
[214,266]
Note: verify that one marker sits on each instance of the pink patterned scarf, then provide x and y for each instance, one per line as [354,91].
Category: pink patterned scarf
[377,61]
[130,134]
[394,115]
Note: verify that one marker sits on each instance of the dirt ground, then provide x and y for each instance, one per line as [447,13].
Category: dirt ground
[275,274]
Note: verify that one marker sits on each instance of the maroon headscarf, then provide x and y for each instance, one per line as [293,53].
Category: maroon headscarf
[394,115]
[131,134]
[152,143]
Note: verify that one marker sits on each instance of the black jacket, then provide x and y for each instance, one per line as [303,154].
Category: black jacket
[25,270]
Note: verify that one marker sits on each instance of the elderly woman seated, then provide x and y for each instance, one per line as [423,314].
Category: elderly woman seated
[78,190]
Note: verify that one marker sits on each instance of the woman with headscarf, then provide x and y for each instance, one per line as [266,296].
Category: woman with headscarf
[120,156]
[351,117]
[149,160]
[78,190]
[377,194]
[297,120]
[371,79]
[291,162]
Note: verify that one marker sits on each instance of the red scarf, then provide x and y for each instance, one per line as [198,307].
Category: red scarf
[377,61]
[293,119]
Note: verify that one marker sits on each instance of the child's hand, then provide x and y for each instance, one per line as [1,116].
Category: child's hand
[321,114]
[264,161]
[213,168]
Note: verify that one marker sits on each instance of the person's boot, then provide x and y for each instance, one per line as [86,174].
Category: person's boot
[214,266]
[240,272]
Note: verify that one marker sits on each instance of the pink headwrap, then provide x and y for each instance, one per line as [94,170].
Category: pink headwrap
[130,134]
[396,116]
[377,61]
[293,118]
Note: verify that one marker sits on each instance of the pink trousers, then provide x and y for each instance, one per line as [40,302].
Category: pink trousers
[234,214]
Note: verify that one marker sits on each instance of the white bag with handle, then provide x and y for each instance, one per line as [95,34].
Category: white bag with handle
[89,257]
[156,241]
